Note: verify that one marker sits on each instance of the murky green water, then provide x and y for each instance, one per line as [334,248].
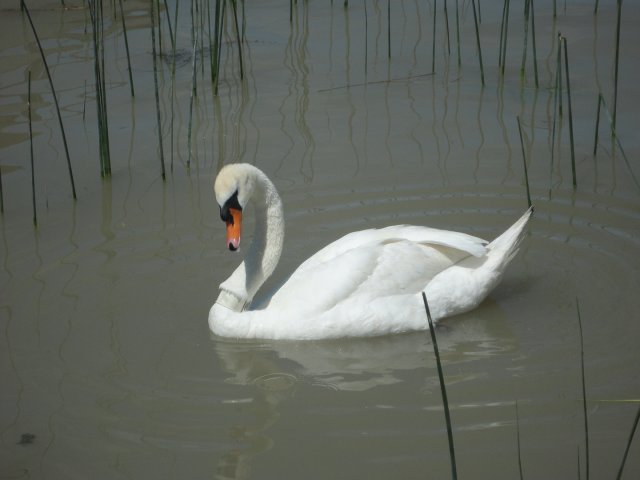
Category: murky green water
[108,369]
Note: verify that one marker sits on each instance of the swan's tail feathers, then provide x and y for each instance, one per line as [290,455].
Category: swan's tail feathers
[505,247]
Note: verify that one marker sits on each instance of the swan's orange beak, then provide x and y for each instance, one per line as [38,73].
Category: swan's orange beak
[234,229]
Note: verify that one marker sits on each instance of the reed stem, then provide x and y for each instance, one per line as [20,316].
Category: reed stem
[584,391]
[617,58]
[389,29]
[595,136]
[234,7]
[504,33]
[443,389]
[173,82]
[446,25]
[518,440]
[626,451]
[191,98]
[458,33]
[524,161]
[55,98]
[126,45]
[533,40]
[433,41]
[571,142]
[475,20]
[33,179]
[526,38]
[155,86]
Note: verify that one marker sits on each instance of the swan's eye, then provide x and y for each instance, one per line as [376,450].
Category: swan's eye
[232,202]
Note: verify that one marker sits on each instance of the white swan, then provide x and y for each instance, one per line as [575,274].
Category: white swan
[367,283]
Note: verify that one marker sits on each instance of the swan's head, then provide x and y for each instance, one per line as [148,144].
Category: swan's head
[233,188]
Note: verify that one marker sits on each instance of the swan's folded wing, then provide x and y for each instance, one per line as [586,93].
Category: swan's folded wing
[422,235]
[377,269]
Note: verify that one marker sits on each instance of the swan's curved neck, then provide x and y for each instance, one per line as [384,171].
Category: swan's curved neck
[264,252]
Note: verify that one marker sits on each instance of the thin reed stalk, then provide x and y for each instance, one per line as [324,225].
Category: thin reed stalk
[528,14]
[526,39]
[155,86]
[518,440]
[388,28]
[55,98]
[446,25]
[433,40]
[97,25]
[443,389]
[571,142]
[366,37]
[191,98]
[475,21]
[626,450]
[595,136]
[458,33]
[234,7]
[584,391]
[173,81]
[126,46]
[533,41]
[556,100]
[615,136]
[217,43]
[524,161]
[33,178]
[171,34]
[504,34]
[615,67]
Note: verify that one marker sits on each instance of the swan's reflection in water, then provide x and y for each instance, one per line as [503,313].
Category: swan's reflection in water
[273,371]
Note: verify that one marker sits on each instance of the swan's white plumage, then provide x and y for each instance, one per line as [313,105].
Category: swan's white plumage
[366,283]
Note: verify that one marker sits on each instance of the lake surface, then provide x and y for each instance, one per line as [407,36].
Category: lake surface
[107,366]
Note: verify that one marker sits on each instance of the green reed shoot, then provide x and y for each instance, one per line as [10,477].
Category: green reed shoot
[388,28]
[366,37]
[504,30]
[433,41]
[55,97]
[443,389]
[602,103]
[584,390]
[446,26]
[217,43]
[458,33]
[97,25]
[518,441]
[571,142]
[529,14]
[615,67]
[234,7]
[595,136]
[155,85]
[173,76]
[533,41]
[193,92]
[126,46]
[524,161]
[626,451]
[475,21]
[556,99]
[33,178]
